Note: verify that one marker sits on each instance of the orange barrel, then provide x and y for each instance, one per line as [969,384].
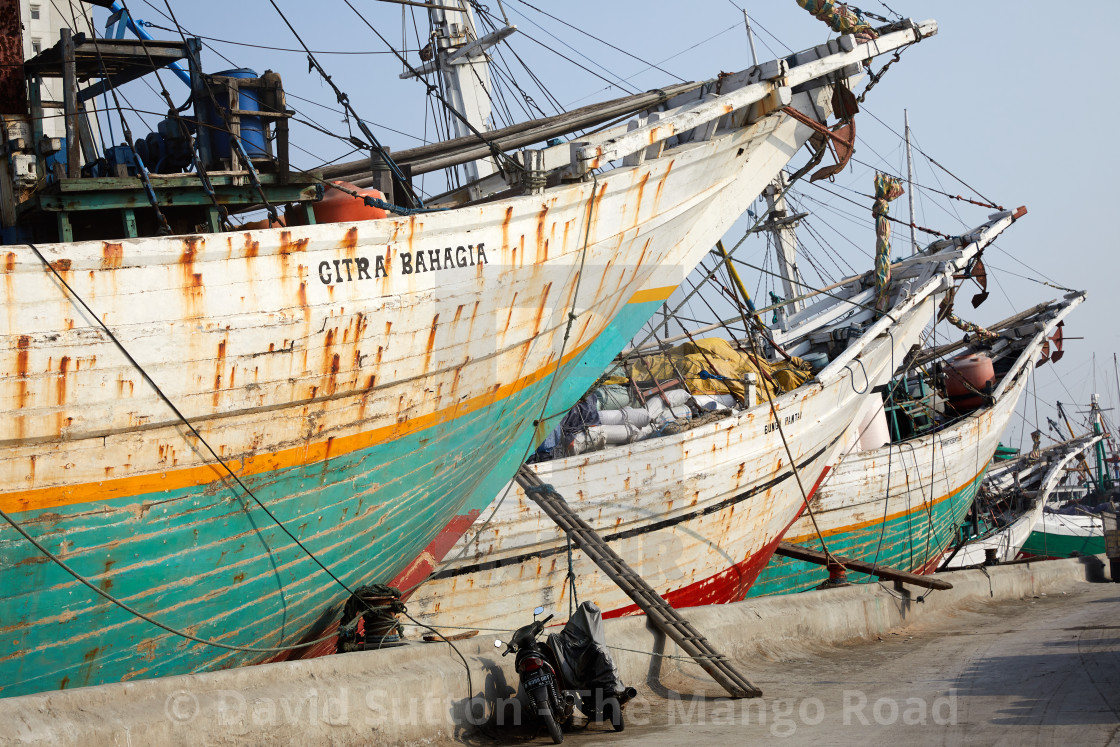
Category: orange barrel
[263,223]
[966,375]
[339,207]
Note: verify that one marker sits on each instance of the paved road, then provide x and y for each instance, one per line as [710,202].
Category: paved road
[1042,671]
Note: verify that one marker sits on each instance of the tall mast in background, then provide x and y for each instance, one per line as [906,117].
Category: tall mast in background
[910,183]
[459,56]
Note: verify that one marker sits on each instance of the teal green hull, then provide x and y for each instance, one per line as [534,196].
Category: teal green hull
[205,560]
[583,373]
[912,542]
[1042,544]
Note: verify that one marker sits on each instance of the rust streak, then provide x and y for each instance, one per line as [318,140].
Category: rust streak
[540,310]
[505,227]
[542,243]
[252,248]
[641,192]
[22,348]
[192,281]
[349,242]
[112,255]
[287,246]
[218,366]
[431,343]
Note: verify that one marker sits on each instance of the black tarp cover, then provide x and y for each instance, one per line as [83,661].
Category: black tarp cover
[581,650]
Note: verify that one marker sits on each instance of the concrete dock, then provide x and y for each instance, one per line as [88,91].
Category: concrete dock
[1040,670]
[1021,654]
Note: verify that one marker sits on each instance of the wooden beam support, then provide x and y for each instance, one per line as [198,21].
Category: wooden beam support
[65,232]
[797,552]
[129,217]
[453,152]
[70,105]
[120,199]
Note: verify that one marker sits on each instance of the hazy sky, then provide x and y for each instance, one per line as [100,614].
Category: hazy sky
[1006,96]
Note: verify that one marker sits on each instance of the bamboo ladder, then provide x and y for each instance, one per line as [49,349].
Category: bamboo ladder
[658,611]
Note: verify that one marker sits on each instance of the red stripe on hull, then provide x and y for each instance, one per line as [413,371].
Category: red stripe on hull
[423,565]
[729,585]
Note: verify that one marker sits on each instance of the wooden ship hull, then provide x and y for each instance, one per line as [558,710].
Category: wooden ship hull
[901,505]
[362,380]
[697,514]
[899,510]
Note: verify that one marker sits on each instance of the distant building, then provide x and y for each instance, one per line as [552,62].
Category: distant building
[42,21]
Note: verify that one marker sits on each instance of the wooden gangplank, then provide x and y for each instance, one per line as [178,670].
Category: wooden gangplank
[658,611]
[797,552]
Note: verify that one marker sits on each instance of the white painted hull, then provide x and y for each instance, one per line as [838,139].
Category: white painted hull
[914,484]
[695,514]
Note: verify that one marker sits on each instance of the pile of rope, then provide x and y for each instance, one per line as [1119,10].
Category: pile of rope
[369,619]
[969,328]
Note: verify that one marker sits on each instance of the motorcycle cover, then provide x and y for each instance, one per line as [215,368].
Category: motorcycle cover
[581,651]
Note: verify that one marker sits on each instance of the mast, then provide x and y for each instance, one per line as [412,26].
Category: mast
[750,37]
[1104,479]
[1111,440]
[781,225]
[910,182]
[459,56]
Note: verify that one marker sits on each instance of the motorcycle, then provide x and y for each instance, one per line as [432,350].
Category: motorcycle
[539,677]
[575,658]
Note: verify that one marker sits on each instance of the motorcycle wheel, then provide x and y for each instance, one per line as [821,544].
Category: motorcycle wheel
[613,712]
[544,711]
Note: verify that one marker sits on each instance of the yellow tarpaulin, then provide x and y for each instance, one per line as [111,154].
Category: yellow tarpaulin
[731,366]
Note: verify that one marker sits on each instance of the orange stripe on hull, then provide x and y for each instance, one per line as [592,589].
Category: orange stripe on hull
[862,525]
[65,495]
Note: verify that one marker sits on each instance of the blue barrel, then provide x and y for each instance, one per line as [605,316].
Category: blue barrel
[252,128]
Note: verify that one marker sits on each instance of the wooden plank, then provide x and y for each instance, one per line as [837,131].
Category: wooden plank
[433,638]
[164,181]
[459,150]
[797,552]
[133,198]
[691,116]
[885,43]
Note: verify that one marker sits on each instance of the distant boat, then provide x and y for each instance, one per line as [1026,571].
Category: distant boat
[1007,542]
[1057,535]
